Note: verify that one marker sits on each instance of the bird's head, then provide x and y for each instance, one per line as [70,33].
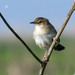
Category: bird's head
[40,21]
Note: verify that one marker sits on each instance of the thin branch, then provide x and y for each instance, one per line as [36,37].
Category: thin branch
[74,4]
[20,39]
[44,62]
[57,36]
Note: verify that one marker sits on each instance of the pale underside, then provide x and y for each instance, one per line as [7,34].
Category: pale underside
[43,36]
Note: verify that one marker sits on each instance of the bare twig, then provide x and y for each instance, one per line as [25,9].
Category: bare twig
[74,4]
[57,36]
[47,55]
[20,39]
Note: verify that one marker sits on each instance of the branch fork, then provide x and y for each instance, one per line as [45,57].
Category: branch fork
[47,54]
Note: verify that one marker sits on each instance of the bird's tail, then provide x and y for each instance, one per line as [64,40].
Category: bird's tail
[59,47]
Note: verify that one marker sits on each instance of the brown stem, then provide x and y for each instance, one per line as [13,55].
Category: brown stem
[57,36]
[18,37]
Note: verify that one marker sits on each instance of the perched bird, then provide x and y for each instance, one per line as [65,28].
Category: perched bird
[44,33]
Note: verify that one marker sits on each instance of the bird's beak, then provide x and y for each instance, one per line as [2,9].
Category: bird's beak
[32,22]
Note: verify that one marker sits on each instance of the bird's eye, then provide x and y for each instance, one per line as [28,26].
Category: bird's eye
[39,21]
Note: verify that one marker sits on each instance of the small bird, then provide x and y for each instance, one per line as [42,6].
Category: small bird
[44,33]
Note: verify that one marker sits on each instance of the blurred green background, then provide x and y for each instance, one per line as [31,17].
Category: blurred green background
[16,60]
[14,57]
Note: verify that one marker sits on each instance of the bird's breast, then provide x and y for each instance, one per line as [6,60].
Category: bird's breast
[40,30]
[42,36]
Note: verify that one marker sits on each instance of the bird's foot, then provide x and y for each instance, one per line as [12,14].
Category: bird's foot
[54,39]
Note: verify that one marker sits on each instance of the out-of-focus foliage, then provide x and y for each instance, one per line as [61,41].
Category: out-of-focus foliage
[16,60]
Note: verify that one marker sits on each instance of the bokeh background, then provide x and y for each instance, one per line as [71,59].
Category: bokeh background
[14,57]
